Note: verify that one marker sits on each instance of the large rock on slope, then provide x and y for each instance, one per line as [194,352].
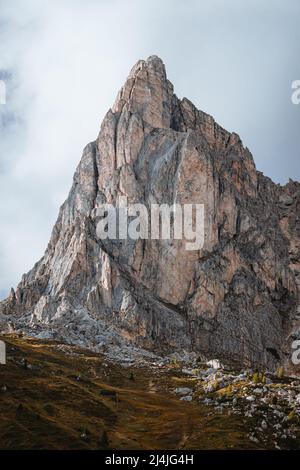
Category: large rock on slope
[237,298]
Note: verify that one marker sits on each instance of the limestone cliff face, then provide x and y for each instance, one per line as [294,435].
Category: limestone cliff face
[237,298]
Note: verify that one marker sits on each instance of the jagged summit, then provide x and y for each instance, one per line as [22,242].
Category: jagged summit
[236,298]
[148,93]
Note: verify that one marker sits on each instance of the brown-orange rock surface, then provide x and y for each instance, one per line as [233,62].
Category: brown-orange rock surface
[237,298]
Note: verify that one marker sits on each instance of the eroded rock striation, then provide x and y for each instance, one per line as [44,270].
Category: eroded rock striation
[237,298]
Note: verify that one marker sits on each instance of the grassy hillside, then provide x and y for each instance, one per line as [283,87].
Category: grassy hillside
[54,396]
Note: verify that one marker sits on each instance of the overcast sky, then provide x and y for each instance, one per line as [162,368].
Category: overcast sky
[64,61]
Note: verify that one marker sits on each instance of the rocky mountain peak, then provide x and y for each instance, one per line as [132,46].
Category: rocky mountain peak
[236,298]
[147,93]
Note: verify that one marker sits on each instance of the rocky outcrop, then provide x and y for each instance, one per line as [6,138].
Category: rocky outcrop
[236,298]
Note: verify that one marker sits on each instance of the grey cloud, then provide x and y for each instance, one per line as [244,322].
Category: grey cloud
[67,60]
